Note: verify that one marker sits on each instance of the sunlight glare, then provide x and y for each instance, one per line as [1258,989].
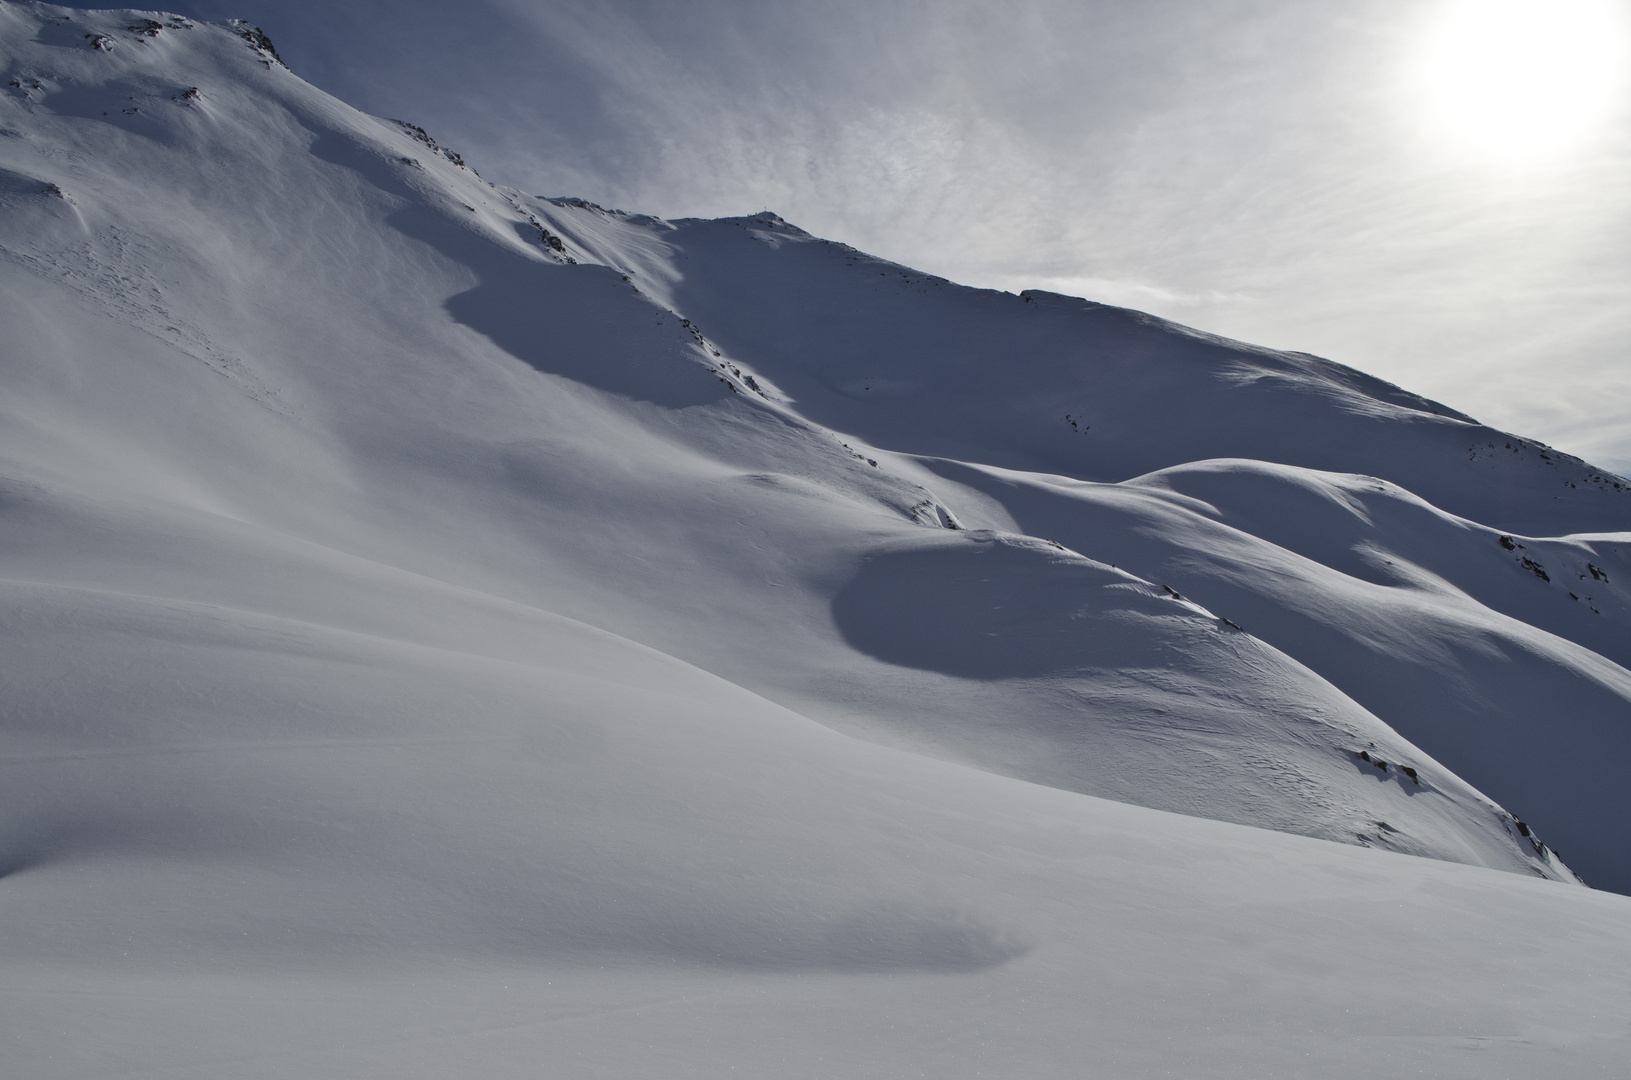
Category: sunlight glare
[1523,80]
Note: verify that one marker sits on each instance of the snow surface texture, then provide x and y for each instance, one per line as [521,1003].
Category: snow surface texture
[448,631]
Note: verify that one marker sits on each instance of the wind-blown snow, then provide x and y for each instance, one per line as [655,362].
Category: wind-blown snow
[447,630]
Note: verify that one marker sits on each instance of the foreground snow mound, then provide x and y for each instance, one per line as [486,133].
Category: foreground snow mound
[575,633]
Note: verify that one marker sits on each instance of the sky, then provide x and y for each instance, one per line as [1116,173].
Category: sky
[1434,191]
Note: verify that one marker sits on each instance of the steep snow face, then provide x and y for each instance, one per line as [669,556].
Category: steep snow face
[407,573]
[1055,384]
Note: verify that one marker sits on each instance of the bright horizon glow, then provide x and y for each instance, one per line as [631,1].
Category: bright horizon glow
[1524,81]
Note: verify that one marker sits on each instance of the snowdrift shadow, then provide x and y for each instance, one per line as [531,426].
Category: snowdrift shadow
[880,937]
[995,610]
[354,871]
[579,322]
[571,321]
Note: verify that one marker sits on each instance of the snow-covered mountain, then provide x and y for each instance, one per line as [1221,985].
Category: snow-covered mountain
[445,626]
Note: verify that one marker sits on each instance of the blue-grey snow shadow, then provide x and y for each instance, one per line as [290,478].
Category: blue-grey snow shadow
[989,609]
[877,937]
[580,322]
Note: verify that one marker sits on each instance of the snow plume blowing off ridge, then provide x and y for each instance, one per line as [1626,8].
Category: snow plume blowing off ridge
[566,634]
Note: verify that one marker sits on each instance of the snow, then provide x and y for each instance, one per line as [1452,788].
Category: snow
[685,647]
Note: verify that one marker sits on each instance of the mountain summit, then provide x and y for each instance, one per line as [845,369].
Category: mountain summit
[680,645]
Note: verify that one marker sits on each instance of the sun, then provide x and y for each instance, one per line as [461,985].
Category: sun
[1523,80]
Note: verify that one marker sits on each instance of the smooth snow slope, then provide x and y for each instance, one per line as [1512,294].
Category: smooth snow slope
[418,598]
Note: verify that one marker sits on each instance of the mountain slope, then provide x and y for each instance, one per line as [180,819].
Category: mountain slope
[406,574]
[371,300]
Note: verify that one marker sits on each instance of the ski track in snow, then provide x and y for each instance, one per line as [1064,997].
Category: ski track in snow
[448,630]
